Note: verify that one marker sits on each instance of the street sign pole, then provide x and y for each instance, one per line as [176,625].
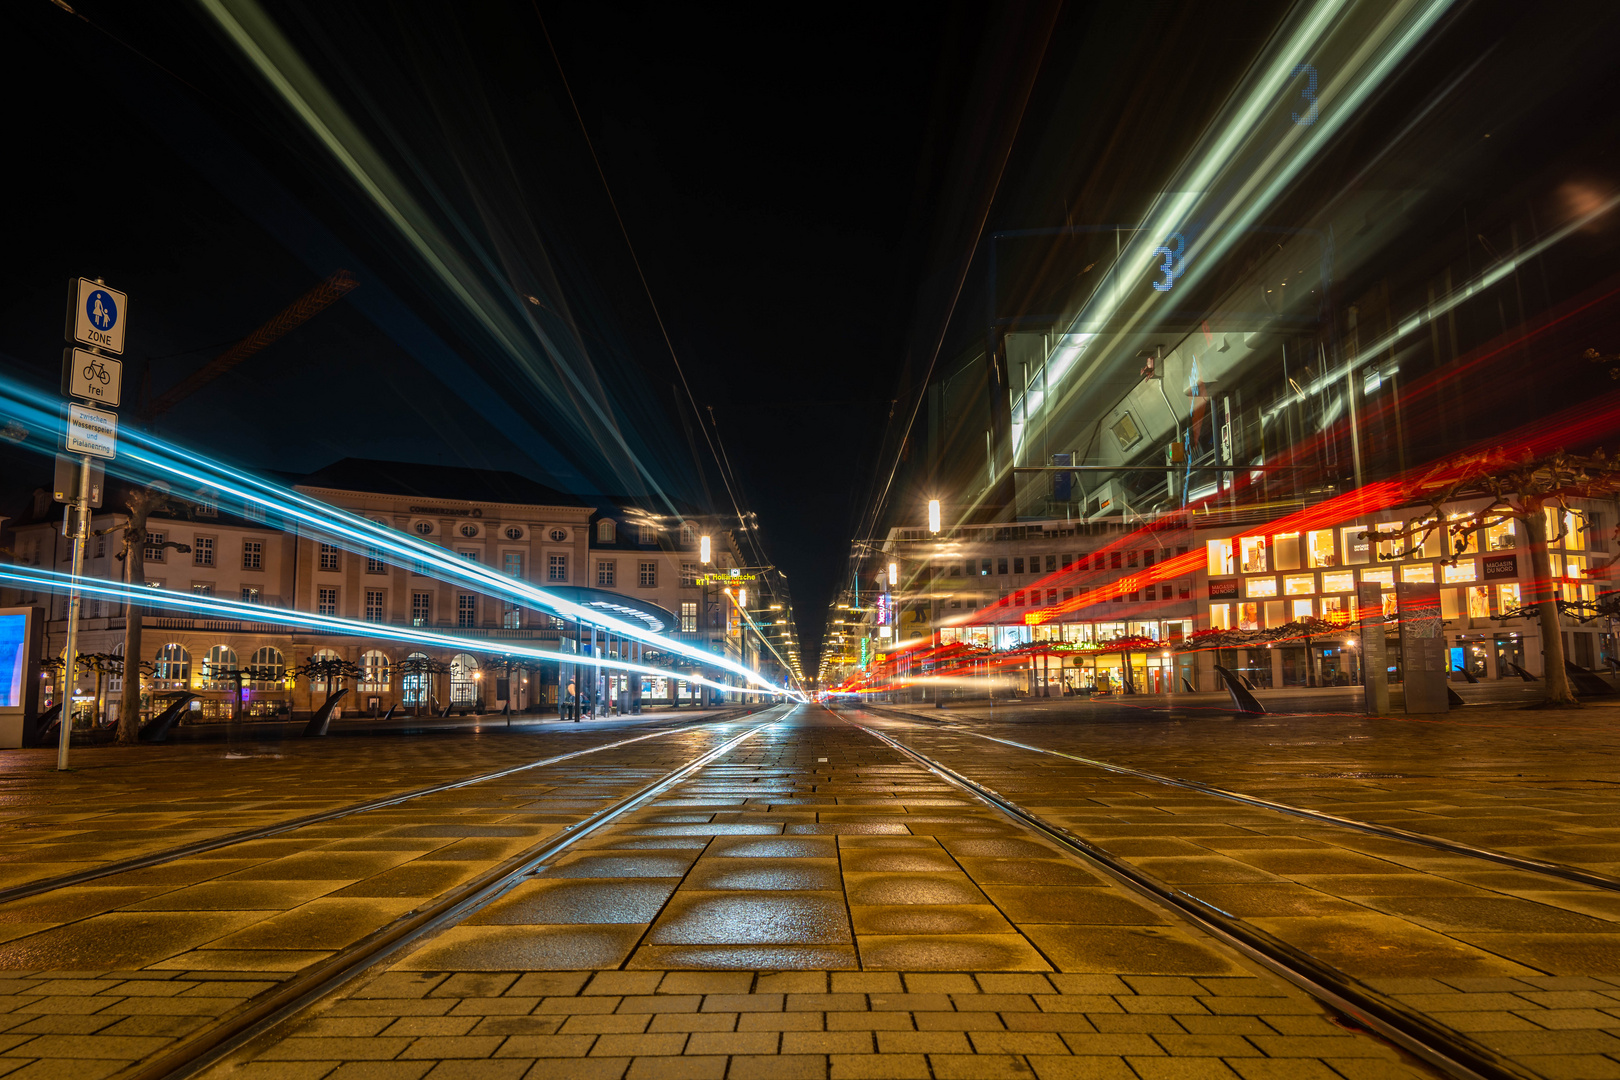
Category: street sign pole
[96,318]
[70,666]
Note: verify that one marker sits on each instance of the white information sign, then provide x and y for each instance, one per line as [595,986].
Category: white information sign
[93,377]
[97,315]
[91,431]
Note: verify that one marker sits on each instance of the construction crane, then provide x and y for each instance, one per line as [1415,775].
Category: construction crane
[296,314]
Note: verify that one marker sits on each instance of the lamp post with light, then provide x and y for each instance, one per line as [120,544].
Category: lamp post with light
[705,557]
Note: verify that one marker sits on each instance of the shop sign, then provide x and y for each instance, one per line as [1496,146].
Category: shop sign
[1223,590]
[1500,566]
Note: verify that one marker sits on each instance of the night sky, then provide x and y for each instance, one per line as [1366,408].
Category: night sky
[780,184]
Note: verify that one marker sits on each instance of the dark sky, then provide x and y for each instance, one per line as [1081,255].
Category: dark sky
[781,182]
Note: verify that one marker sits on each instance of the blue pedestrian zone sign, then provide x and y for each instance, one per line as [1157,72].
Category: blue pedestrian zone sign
[98,315]
[102,309]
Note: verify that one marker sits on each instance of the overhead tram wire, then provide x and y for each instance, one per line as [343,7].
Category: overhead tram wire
[876,507]
[635,259]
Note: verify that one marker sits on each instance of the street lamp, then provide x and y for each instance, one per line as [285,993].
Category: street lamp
[933,515]
[703,550]
[894,573]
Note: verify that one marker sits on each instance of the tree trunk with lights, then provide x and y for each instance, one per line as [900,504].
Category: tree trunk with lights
[1544,591]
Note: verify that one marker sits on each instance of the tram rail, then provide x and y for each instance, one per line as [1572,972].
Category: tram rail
[167,855]
[262,1015]
[1416,1033]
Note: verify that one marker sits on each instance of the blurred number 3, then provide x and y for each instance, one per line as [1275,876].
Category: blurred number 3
[1169,268]
[1308,93]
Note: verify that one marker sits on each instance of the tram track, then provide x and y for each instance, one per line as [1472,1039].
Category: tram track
[1562,871]
[261,1016]
[167,855]
[1416,1033]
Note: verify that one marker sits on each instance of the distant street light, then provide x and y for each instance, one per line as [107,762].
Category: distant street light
[703,550]
[894,573]
[933,515]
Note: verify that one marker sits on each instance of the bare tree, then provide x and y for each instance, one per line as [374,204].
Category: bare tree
[330,670]
[1521,491]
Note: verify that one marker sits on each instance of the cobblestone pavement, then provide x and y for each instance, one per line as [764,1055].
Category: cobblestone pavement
[1526,964]
[118,803]
[817,905]
[115,970]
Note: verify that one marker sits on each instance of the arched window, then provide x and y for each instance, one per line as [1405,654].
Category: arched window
[688,536]
[115,683]
[172,665]
[269,668]
[416,684]
[463,687]
[605,531]
[373,671]
[324,686]
[219,669]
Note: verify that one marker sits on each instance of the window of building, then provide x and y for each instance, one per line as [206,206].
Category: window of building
[1385,576]
[1018,564]
[203,588]
[511,615]
[1248,616]
[1357,549]
[646,534]
[325,686]
[1260,586]
[172,664]
[1302,609]
[269,668]
[556,568]
[374,605]
[1333,609]
[374,561]
[253,511]
[605,531]
[1465,570]
[1051,563]
[202,551]
[469,529]
[1068,561]
[1220,616]
[1051,596]
[604,573]
[423,528]
[1018,598]
[688,536]
[206,501]
[219,668]
[421,608]
[1285,551]
[1501,535]
[1001,565]
[463,679]
[514,532]
[115,681]
[374,673]
[326,601]
[984,567]
[418,569]
[1115,560]
[1132,559]
[688,574]
[468,554]
[466,609]
[252,555]
[1319,548]
[252,595]
[1339,581]
[1507,597]
[416,683]
[329,557]
[1080,563]
[1420,572]
[1479,602]
[1299,584]
[1253,554]
[689,616]
[512,563]
[647,575]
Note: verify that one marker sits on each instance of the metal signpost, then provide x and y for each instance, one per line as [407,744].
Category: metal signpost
[97,317]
